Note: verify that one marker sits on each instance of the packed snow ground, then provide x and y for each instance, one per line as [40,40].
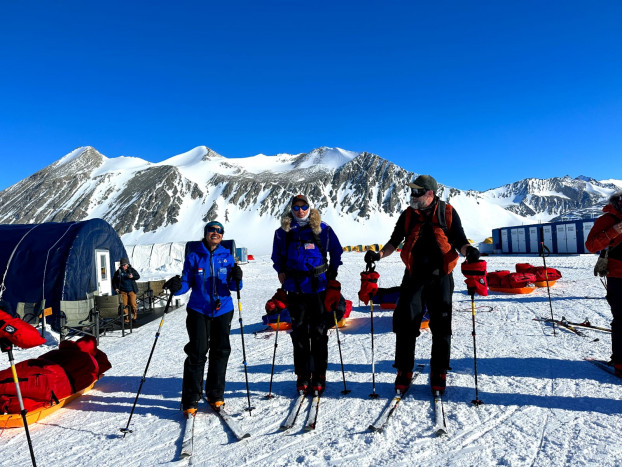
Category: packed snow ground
[544,405]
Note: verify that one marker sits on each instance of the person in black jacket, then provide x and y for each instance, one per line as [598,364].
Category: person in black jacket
[124,282]
[433,235]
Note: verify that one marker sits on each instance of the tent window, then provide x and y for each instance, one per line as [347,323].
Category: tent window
[103,268]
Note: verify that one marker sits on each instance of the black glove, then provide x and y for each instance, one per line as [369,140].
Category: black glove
[236,273]
[372,256]
[472,254]
[331,274]
[173,284]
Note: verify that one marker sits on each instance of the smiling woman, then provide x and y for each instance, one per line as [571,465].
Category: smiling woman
[210,273]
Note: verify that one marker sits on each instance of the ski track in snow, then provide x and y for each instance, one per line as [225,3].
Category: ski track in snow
[543,404]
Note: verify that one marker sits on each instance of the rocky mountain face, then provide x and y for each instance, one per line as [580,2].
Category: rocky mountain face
[147,197]
[553,196]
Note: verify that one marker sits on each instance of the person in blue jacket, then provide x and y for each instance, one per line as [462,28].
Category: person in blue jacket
[300,254]
[211,273]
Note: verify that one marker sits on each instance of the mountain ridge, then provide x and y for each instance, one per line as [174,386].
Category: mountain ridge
[360,194]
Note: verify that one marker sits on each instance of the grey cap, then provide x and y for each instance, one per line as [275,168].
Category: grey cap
[425,182]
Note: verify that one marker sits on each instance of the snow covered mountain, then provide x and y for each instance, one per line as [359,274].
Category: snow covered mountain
[359,194]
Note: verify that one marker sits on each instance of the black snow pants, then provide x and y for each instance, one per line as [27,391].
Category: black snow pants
[614,297]
[309,333]
[206,334]
[435,294]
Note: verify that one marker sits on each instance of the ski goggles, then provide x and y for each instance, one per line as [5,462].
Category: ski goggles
[298,208]
[418,193]
[213,229]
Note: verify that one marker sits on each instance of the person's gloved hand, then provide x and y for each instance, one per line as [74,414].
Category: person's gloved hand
[173,284]
[333,295]
[236,273]
[331,274]
[372,256]
[472,254]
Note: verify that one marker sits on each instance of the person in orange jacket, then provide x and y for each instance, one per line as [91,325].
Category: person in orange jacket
[606,236]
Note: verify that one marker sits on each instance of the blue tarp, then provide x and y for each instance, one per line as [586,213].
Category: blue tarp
[55,261]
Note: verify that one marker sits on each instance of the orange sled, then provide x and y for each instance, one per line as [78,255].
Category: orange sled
[283,326]
[543,283]
[515,290]
[14,420]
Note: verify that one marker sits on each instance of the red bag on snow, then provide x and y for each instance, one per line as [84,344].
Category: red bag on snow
[369,286]
[542,274]
[475,274]
[39,380]
[496,278]
[510,280]
[517,280]
[10,404]
[81,367]
[19,332]
[524,267]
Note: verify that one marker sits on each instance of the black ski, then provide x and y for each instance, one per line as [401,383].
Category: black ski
[393,403]
[312,419]
[231,423]
[293,413]
[603,365]
[565,324]
[440,424]
[586,324]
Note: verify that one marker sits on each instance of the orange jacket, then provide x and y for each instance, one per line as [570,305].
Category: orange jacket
[603,235]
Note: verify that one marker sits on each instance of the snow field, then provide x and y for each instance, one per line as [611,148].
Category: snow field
[543,404]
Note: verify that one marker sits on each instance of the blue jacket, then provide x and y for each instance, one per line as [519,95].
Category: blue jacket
[209,277]
[295,253]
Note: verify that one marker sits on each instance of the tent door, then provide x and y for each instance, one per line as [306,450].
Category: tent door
[104,276]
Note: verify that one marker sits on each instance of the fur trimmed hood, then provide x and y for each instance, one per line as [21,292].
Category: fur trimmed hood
[315,221]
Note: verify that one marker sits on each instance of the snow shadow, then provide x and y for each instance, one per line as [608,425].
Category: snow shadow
[509,371]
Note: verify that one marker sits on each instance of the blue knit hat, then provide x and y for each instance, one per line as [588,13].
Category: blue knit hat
[213,224]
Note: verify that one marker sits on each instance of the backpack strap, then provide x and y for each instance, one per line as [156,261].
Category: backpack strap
[441,213]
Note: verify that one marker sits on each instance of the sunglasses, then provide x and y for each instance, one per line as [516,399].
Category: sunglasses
[298,208]
[418,193]
[214,229]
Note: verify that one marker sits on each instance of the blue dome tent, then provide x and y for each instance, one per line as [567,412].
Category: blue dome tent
[53,262]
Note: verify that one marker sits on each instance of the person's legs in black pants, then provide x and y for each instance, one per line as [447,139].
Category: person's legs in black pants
[406,323]
[194,365]
[318,333]
[219,329]
[614,297]
[300,335]
[438,299]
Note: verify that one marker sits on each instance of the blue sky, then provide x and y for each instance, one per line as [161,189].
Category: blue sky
[478,94]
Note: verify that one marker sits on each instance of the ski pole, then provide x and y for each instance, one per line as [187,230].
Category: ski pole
[343,373]
[7,347]
[477,400]
[371,267]
[373,395]
[248,394]
[126,430]
[543,247]
[276,340]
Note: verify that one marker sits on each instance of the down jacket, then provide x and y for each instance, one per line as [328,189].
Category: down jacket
[295,253]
